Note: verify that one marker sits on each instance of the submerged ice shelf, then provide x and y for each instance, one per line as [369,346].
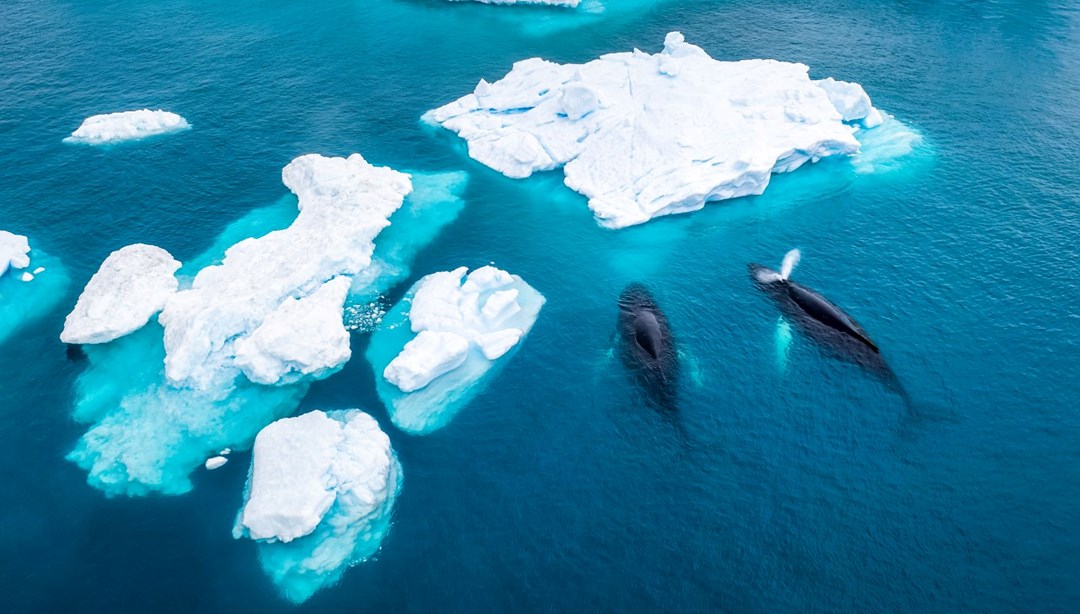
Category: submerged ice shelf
[256,319]
[649,135]
[31,283]
[318,498]
[111,128]
[436,346]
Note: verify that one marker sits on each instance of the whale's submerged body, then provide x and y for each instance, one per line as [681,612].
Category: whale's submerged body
[819,319]
[647,346]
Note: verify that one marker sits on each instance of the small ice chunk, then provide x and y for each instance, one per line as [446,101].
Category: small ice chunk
[27,276]
[225,452]
[501,305]
[132,285]
[215,462]
[851,100]
[427,356]
[39,270]
[302,338]
[494,345]
[112,128]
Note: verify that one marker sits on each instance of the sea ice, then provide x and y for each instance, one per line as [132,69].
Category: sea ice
[26,296]
[14,251]
[435,202]
[215,462]
[344,203]
[435,347]
[110,128]
[131,285]
[243,320]
[303,338]
[318,498]
[648,135]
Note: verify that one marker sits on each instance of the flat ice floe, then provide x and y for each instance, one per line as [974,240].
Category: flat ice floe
[258,316]
[318,498]
[435,347]
[31,283]
[111,128]
[131,285]
[649,135]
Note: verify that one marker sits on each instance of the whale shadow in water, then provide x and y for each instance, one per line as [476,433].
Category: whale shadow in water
[834,332]
[647,348]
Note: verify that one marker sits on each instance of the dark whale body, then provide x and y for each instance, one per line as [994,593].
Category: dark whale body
[647,346]
[817,318]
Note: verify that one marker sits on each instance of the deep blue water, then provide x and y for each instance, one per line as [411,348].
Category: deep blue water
[812,488]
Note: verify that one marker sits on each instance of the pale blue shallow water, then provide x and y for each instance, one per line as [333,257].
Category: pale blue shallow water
[809,487]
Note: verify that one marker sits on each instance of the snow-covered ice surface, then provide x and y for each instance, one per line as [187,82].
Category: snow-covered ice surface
[31,283]
[649,135]
[131,286]
[319,497]
[14,251]
[112,128]
[436,347]
[148,432]
[344,203]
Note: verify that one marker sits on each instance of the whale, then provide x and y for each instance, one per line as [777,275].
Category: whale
[647,346]
[822,321]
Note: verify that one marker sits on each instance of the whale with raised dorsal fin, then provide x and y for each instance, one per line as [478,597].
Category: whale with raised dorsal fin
[822,321]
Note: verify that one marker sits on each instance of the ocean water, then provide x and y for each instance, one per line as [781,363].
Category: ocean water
[787,480]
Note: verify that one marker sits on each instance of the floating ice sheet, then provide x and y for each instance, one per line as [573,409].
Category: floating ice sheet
[649,135]
[318,498]
[437,346]
[112,128]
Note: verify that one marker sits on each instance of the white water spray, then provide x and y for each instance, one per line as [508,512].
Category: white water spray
[790,260]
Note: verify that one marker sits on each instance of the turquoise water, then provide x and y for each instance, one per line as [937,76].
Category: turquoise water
[804,486]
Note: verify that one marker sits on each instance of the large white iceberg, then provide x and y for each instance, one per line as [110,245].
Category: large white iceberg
[110,128]
[436,346]
[132,284]
[14,251]
[273,322]
[319,497]
[648,135]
